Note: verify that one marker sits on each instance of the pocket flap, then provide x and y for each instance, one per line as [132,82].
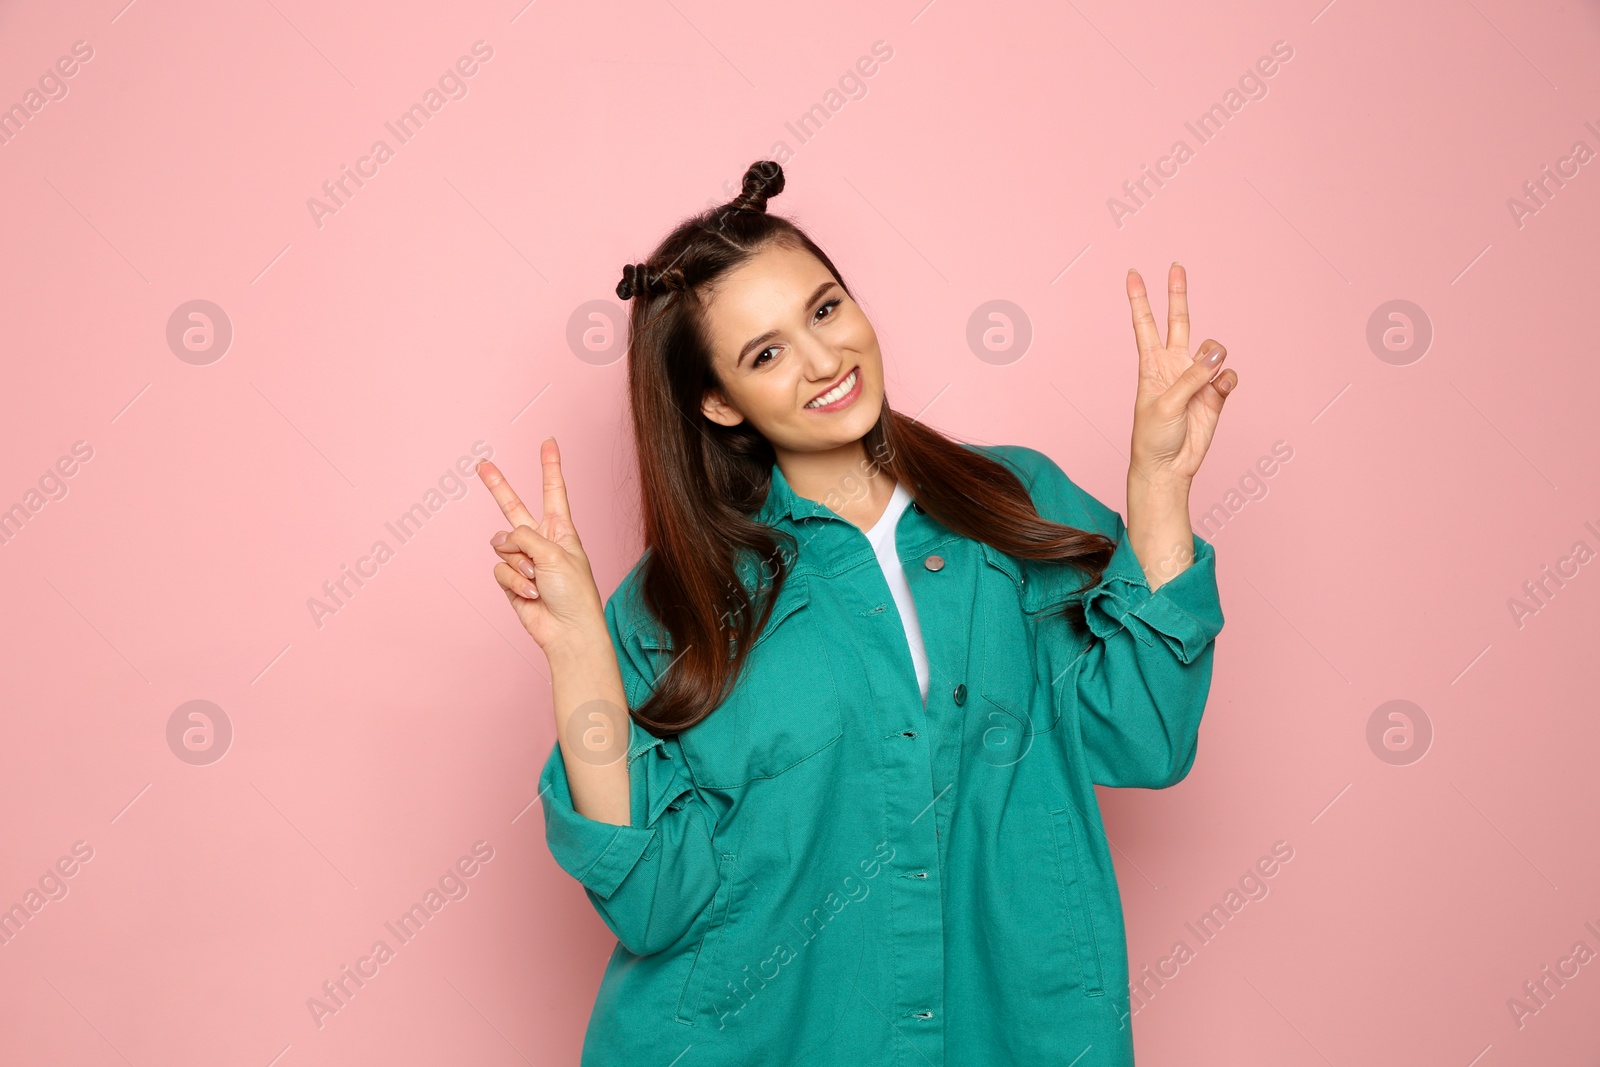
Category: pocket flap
[784,709]
[1049,585]
[1040,585]
[796,593]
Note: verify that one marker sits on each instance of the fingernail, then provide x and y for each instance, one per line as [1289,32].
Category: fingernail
[526,568]
[498,539]
[1130,270]
[532,593]
[1175,263]
[1213,357]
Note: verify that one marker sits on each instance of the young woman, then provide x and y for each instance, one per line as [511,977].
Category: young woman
[826,758]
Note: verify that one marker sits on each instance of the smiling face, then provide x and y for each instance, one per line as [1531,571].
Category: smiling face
[794,354]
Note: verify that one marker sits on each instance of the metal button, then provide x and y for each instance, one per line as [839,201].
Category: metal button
[917,508]
[934,563]
[961,694]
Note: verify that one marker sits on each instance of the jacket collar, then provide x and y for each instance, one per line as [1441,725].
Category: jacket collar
[829,548]
[783,502]
[824,548]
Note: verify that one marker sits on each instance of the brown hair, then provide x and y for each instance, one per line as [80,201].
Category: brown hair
[702,482]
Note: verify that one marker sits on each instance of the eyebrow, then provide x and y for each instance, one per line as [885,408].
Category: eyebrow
[756,342]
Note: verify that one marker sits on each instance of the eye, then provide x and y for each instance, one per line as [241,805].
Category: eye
[764,357]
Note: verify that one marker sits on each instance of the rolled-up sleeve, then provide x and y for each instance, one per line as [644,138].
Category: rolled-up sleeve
[1140,686]
[1184,613]
[649,880]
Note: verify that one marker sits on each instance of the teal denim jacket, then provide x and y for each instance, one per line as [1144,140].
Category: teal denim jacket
[824,872]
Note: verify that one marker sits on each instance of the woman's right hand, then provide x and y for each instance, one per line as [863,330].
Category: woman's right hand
[542,567]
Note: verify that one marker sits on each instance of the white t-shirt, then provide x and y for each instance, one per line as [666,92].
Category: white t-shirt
[882,537]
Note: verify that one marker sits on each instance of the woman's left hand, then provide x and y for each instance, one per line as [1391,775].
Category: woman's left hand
[1180,395]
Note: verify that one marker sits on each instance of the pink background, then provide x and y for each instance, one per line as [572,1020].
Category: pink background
[432,311]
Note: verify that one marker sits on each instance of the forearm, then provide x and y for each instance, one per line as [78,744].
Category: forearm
[649,877]
[1158,526]
[591,712]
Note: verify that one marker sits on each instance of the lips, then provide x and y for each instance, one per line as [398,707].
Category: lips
[837,391]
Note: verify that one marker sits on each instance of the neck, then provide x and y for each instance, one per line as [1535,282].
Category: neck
[843,479]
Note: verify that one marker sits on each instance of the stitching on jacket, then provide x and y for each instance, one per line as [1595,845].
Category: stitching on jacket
[833,683]
[1076,902]
[690,999]
[1080,848]
[831,702]
[589,870]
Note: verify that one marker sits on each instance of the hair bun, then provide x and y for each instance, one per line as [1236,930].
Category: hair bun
[638,279]
[633,281]
[762,181]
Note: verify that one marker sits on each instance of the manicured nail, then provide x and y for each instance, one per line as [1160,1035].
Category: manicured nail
[1175,263]
[1213,357]
[526,568]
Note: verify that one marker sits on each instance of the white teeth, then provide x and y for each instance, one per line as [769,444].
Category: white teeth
[837,391]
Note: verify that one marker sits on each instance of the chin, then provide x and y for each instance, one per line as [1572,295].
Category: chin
[861,421]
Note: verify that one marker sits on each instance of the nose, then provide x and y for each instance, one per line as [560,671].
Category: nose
[822,363]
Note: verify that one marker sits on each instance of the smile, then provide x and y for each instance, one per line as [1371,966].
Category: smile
[840,395]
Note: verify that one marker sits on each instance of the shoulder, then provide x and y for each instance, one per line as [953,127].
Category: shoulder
[1055,495]
[1025,462]
[625,609]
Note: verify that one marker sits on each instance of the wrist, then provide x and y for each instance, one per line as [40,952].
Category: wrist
[1158,524]
[1158,483]
[580,643]
[1157,504]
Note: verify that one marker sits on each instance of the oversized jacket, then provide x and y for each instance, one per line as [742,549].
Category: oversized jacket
[824,872]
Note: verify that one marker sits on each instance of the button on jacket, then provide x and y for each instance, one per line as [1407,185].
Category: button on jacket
[825,872]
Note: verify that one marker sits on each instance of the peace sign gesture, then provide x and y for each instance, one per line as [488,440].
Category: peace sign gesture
[542,567]
[1178,402]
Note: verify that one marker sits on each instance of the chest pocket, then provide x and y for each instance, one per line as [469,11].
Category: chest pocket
[1025,644]
[784,709]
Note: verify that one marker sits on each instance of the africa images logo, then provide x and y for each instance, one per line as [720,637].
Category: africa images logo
[453,885]
[452,85]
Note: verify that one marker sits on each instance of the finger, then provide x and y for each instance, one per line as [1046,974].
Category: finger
[1191,381]
[555,489]
[542,551]
[510,504]
[502,544]
[1215,392]
[514,583]
[1177,307]
[1144,323]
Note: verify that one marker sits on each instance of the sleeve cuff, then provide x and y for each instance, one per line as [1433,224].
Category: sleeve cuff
[598,854]
[1186,612]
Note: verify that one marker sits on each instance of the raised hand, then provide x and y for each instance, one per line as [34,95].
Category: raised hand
[1180,395]
[542,567]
